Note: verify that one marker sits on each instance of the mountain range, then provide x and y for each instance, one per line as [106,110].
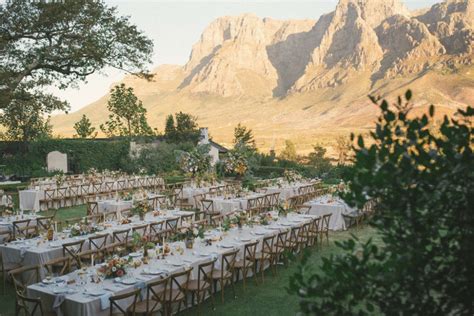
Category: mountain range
[308,80]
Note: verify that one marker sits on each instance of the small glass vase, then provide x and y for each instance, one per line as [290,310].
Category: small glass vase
[189,243]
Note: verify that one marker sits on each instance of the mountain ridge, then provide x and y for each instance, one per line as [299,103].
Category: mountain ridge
[318,72]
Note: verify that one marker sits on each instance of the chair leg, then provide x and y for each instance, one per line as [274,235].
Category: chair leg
[221,281]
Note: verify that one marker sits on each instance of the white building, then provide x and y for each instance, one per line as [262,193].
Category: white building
[216,150]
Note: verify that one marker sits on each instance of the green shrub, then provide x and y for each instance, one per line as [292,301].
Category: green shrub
[30,160]
[422,179]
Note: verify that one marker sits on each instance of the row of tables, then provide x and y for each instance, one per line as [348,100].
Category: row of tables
[84,297]
[38,251]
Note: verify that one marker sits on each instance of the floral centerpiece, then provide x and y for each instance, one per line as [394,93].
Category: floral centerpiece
[140,208]
[284,209]
[83,228]
[292,176]
[263,219]
[189,233]
[238,219]
[126,196]
[59,178]
[115,267]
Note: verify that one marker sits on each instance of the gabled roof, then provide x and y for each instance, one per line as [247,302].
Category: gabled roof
[221,148]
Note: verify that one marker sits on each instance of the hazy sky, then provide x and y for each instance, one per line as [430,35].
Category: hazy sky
[176,25]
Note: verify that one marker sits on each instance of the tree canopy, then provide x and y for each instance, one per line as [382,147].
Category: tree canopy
[84,128]
[289,152]
[182,128]
[25,119]
[60,43]
[243,136]
[127,114]
[422,183]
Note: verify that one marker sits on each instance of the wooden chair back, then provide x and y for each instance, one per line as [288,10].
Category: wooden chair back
[117,309]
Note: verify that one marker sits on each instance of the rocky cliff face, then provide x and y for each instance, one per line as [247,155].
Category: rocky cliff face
[380,38]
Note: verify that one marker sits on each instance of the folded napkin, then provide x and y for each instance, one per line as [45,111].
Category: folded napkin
[58,300]
[142,286]
[104,301]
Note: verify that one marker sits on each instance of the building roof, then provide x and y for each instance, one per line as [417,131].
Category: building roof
[221,148]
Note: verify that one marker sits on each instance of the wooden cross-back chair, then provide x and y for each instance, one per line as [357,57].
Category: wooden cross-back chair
[58,267]
[92,208]
[248,262]
[110,216]
[155,300]
[73,194]
[72,250]
[176,293]
[95,218]
[117,309]
[203,284]
[49,195]
[225,274]
[121,185]
[279,247]
[24,276]
[31,306]
[324,228]
[187,218]
[119,241]
[266,254]
[43,224]
[172,224]
[140,229]
[253,207]
[61,196]
[23,229]
[155,229]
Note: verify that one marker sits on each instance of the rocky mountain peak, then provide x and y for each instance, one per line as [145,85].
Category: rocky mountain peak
[373,11]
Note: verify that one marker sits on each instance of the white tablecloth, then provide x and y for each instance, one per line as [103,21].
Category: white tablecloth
[330,205]
[37,251]
[80,303]
[30,199]
[106,206]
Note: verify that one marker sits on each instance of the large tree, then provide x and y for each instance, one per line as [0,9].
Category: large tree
[127,114]
[61,43]
[243,136]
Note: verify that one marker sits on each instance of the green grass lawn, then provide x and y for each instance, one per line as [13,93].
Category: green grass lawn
[269,298]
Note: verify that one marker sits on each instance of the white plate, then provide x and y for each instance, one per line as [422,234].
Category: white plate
[135,254]
[205,254]
[151,271]
[60,290]
[129,281]
[47,281]
[226,246]
[245,239]
[285,224]
[96,292]
[259,233]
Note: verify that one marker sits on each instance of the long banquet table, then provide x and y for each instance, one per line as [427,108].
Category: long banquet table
[228,205]
[38,251]
[84,298]
[327,204]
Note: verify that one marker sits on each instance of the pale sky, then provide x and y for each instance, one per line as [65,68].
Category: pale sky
[175,26]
